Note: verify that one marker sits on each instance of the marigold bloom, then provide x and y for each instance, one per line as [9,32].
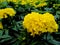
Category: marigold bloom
[4,12]
[36,23]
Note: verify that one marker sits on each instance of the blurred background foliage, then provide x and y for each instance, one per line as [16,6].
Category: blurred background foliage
[14,33]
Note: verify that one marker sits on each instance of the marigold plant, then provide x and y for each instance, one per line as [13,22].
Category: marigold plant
[29,22]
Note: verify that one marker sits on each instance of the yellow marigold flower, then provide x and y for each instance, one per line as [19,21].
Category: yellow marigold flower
[10,11]
[36,23]
[1,26]
[4,12]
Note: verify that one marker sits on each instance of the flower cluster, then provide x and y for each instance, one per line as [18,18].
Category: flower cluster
[34,3]
[36,23]
[6,11]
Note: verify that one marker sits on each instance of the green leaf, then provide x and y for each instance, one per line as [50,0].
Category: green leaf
[1,32]
[20,9]
[6,32]
[34,43]
[16,43]
[6,39]
[5,36]
[57,17]
[51,40]
[54,42]
[58,1]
